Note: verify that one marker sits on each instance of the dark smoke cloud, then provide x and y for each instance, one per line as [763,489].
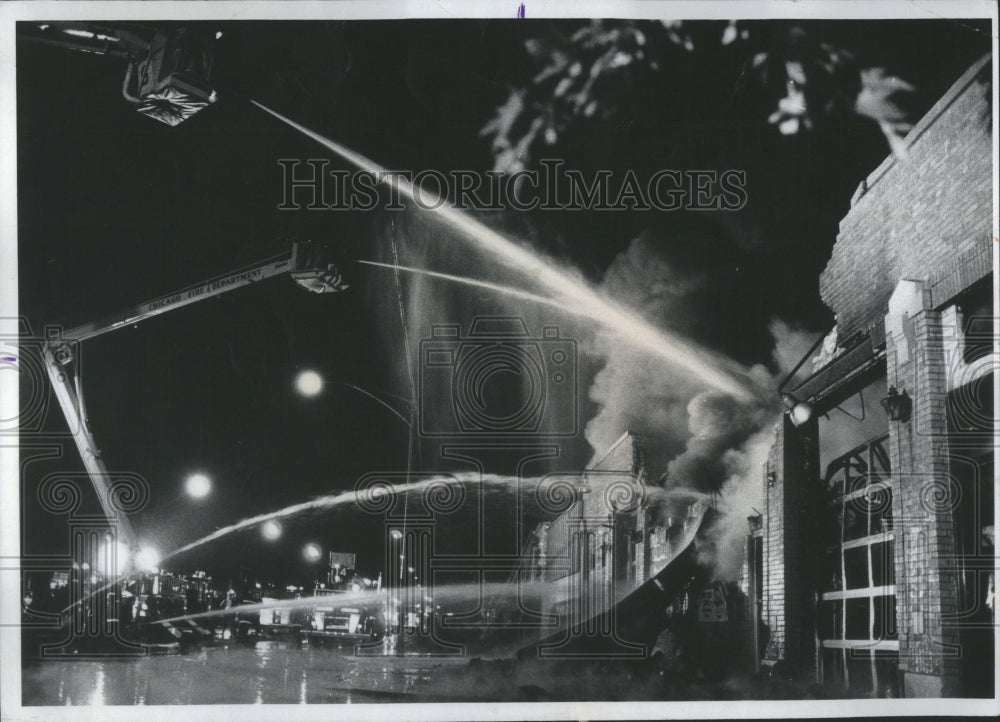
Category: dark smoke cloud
[705,441]
[717,423]
[634,392]
[744,444]
[741,496]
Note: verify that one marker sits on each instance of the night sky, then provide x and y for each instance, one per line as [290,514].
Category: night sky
[115,208]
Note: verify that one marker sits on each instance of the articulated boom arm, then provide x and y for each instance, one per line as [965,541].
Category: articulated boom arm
[304,263]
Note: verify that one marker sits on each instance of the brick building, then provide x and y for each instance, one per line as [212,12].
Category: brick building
[873,555]
[614,533]
[591,554]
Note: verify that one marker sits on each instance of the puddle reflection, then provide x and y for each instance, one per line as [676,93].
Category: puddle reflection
[265,673]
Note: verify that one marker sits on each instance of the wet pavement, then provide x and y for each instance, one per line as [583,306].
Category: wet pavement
[265,672]
[287,672]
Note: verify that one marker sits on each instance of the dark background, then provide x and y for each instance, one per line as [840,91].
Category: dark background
[115,208]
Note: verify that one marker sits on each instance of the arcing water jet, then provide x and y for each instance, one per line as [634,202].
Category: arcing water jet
[711,370]
[330,501]
[373,494]
[476,283]
[448,593]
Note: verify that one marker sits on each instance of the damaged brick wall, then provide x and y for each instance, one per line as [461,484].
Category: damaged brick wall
[926,217]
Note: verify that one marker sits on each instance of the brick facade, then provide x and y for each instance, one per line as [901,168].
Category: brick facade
[918,235]
[918,448]
[791,505]
[925,218]
[773,609]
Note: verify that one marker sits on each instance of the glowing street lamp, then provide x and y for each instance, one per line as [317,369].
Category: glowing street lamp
[312,552]
[198,486]
[397,536]
[147,559]
[114,556]
[308,383]
[271,530]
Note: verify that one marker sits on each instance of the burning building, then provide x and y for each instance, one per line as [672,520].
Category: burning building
[592,553]
[619,565]
[871,564]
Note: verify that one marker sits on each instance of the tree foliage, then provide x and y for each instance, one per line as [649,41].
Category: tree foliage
[605,71]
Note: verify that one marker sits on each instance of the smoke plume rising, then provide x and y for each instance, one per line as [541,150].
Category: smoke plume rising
[704,440]
[742,446]
[632,392]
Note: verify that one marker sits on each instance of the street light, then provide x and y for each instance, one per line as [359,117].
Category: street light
[798,411]
[313,554]
[271,530]
[308,383]
[397,535]
[114,556]
[198,486]
[147,559]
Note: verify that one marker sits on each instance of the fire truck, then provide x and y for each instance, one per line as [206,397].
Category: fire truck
[149,600]
[350,610]
[282,619]
[345,619]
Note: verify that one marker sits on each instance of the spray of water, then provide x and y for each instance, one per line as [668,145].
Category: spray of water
[511,484]
[331,501]
[476,283]
[709,368]
[442,595]
[323,503]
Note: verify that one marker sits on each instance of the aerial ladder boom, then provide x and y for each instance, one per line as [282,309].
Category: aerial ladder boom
[304,263]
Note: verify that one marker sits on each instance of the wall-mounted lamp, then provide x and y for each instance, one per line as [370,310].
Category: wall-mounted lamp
[798,411]
[897,405]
